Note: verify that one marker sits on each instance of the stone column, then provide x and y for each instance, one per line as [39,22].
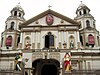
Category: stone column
[81,66]
[33,41]
[21,38]
[36,40]
[67,39]
[65,36]
[61,36]
[60,39]
[4,41]
[85,64]
[75,41]
[39,37]
[78,40]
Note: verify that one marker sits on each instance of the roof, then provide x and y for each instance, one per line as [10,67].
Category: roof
[51,12]
[18,7]
[82,6]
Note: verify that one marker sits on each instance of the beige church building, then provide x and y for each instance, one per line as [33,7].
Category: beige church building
[50,43]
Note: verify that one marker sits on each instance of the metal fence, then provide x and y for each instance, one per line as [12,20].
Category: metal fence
[83,72]
[73,72]
[10,72]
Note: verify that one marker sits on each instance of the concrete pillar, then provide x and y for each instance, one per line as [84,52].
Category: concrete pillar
[65,35]
[85,64]
[67,40]
[78,40]
[62,37]
[35,38]
[39,35]
[21,38]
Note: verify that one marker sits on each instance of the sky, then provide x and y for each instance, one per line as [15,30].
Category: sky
[35,7]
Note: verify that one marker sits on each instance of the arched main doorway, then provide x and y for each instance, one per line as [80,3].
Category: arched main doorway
[49,69]
[46,67]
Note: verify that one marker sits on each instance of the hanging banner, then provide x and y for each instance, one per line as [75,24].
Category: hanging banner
[91,39]
[67,61]
[9,41]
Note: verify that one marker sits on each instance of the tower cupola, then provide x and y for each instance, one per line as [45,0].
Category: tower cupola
[16,18]
[82,10]
[17,11]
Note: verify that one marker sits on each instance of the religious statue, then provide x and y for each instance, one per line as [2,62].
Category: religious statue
[27,45]
[64,45]
[18,60]
[67,64]
[71,44]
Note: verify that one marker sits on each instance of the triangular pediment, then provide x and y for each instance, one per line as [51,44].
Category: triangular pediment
[58,19]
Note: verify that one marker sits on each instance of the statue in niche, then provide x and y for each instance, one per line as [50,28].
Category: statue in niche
[27,45]
[64,45]
[71,44]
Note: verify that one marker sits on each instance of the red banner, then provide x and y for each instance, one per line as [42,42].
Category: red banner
[67,62]
[91,39]
[8,41]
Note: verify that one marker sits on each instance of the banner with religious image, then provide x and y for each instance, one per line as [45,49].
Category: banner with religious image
[9,41]
[67,61]
[91,39]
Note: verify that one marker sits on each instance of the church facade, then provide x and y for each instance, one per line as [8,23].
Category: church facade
[50,43]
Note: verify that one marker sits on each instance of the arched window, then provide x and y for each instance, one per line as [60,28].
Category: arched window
[19,25]
[94,24]
[18,41]
[26,73]
[87,23]
[98,40]
[84,11]
[9,41]
[80,13]
[80,24]
[49,40]
[19,14]
[1,41]
[15,13]
[12,25]
[81,39]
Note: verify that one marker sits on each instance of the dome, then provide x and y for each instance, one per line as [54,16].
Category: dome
[82,6]
[18,8]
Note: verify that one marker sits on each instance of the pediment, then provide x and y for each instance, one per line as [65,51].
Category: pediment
[44,19]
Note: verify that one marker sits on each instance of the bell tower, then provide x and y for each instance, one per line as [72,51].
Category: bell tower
[89,36]
[10,38]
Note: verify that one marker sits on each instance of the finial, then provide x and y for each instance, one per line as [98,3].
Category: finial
[19,3]
[49,6]
[81,2]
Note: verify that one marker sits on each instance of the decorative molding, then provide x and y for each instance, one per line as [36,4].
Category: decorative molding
[71,32]
[27,33]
